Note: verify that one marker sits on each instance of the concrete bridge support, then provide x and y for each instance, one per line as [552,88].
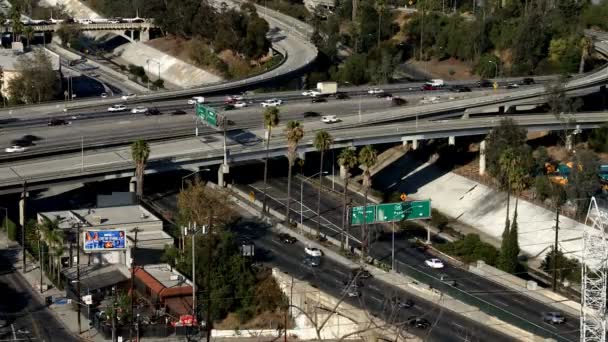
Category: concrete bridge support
[604,95]
[414,144]
[22,208]
[132,184]
[224,169]
[452,140]
[144,35]
[482,158]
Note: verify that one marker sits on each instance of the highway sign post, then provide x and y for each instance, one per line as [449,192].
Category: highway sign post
[206,114]
[392,212]
[356,217]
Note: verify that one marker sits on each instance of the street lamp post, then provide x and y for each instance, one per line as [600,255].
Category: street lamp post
[302,198]
[496,66]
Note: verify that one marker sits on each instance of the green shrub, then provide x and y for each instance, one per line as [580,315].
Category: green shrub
[471,249]
[438,219]
[12,230]
[566,268]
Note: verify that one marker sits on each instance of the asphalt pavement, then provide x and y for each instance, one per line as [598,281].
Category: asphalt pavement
[26,315]
[470,288]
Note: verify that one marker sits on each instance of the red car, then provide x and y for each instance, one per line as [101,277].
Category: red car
[429,87]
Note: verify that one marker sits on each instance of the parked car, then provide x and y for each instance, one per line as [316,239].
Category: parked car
[419,323]
[318,99]
[57,122]
[153,111]
[311,261]
[446,280]
[554,317]
[374,91]
[128,97]
[139,109]
[312,251]
[117,108]
[15,149]
[272,103]
[311,115]
[286,238]
[434,263]
[330,119]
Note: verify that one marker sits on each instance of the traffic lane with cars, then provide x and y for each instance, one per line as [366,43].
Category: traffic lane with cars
[411,258]
[375,296]
[22,308]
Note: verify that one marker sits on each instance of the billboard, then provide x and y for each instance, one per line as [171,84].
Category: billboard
[104,240]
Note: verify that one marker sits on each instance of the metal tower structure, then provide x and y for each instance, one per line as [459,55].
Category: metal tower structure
[594,275]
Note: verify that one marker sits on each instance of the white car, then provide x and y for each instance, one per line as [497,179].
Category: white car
[329,119]
[128,97]
[117,108]
[312,251]
[196,99]
[312,93]
[272,103]
[434,263]
[374,91]
[139,109]
[240,104]
[238,97]
[15,148]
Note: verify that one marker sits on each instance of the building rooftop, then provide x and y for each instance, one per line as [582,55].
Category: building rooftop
[166,275]
[102,217]
[10,57]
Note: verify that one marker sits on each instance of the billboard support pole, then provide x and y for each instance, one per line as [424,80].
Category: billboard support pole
[193,271]
[135,230]
[78,274]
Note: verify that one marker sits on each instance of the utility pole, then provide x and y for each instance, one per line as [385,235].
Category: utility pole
[78,274]
[193,272]
[114,318]
[134,230]
[40,258]
[555,249]
[24,199]
[209,255]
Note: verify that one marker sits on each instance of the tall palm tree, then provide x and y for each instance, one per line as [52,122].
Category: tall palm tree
[294,133]
[271,119]
[368,156]
[140,151]
[28,32]
[322,143]
[16,23]
[52,235]
[347,160]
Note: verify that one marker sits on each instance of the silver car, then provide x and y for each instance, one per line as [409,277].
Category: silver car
[554,317]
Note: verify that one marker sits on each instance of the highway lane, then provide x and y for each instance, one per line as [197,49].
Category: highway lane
[332,276]
[470,287]
[23,308]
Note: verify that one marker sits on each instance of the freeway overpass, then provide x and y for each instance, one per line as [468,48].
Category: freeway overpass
[193,153]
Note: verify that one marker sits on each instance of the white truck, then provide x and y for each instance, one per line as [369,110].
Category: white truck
[196,99]
[327,88]
[437,82]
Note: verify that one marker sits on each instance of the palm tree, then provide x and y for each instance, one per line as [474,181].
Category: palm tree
[322,143]
[347,160]
[16,23]
[294,132]
[140,151]
[380,6]
[367,158]
[271,119]
[29,34]
[52,235]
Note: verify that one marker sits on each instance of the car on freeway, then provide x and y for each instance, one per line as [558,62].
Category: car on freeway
[240,104]
[178,112]
[311,115]
[104,95]
[57,122]
[330,119]
[15,149]
[272,103]
[434,263]
[153,111]
[512,86]
[461,89]
[196,99]
[527,81]
[128,97]
[311,261]
[446,280]
[402,304]
[342,96]
[318,99]
[229,107]
[418,322]
[360,273]
[139,109]
[117,108]
[311,93]
[483,83]
[22,142]
[374,91]
[553,317]
[384,96]
[398,101]
[428,87]
[286,238]
[312,251]
[238,97]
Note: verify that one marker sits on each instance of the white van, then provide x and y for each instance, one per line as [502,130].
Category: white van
[436,82]
[196,99]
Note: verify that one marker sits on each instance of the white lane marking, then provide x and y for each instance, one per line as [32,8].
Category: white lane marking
[376,298]
[502,303]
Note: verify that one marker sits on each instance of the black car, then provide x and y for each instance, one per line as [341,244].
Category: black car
[384,95]
[21,142]
[402,304]
[420,323]
[527,81]
[153,111]
[461,89]
[342,96]
[398,101]
[286,238]
[178,112]
[361,273]
[485,83]
[318,99]
[311,114]
[57,122]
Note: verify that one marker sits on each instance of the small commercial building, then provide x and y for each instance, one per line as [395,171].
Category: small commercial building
[164,288]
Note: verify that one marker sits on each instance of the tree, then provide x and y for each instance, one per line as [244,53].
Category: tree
[583,181]
[598,140]
[197,203]
[586,48]
[140,151]
[566,268]
[271,119]
[347,160]
[52,235]
[506,135]
[322,143]
[29,34]
[67,33]
[294,133]
[368,157]
[35,80]
[16,23]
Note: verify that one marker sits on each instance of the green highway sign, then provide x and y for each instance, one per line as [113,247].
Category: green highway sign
[206,114]
[356,215]
[391,212]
